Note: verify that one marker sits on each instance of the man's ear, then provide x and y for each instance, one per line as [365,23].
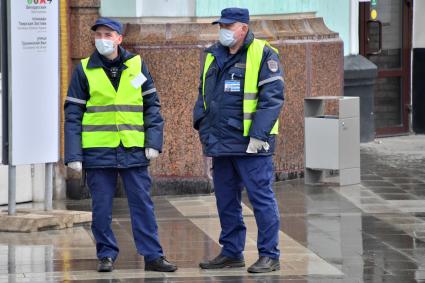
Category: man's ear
[119,40]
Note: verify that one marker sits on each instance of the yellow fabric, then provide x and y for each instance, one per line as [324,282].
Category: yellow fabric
[207,65]
[125,125]
[252,70]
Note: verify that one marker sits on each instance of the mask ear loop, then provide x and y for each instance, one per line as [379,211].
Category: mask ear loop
[233,74]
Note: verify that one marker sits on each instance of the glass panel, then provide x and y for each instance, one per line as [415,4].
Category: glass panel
[390,13]
[373,37]
[388,103]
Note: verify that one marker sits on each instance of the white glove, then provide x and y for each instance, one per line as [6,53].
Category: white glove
[151,153]
[255,145]
[76,165]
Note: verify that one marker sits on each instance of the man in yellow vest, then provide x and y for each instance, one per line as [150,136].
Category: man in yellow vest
[236,114]
[113,126]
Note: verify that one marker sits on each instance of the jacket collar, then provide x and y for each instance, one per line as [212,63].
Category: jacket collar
[222,55]
[95,60]
[218,50]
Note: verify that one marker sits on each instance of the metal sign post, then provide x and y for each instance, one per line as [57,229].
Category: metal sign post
[12,190]
[48,192]
[4,9]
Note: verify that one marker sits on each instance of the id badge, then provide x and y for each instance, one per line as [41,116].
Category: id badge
[232,86]
[138,81]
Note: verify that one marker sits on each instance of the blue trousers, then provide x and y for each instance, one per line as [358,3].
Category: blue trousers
[102,184]
[230,175]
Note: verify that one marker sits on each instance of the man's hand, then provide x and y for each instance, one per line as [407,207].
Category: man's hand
[255,145]
[76,165]
[151,153]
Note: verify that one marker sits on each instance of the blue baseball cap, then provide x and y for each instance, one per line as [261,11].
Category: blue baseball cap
[233,15]
[112,24]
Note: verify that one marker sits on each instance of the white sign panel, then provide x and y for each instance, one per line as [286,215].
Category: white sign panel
[34,81]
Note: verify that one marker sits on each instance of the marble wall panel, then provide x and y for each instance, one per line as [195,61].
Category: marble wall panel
[311,54]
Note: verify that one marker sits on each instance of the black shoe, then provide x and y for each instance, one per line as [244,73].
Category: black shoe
[161,264]
[264,264]
[105,265]
[222,261]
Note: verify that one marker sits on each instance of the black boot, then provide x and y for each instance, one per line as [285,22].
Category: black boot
[222,261]
[161,264]
[264,264]
[105,265]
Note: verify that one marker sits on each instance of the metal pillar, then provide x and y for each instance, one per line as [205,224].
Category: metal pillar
[12,190]
[48,191]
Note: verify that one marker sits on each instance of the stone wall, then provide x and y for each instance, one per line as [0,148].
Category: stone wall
[311,54]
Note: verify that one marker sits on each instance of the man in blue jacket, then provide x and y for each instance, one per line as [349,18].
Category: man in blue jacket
[236,114]
[113,126]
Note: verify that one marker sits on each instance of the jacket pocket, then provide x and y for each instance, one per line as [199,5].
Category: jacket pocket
[236,73]
[197,122]
[235,124]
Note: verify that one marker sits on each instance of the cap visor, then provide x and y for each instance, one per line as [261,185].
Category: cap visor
[94,27]
[224,21]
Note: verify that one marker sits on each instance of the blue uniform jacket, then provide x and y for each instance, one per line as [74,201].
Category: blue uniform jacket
[220,126]
[120,157]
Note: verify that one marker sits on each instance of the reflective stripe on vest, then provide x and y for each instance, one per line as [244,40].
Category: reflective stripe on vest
[113,117]
[252,70]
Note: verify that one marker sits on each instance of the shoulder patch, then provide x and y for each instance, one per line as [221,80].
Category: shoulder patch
[273,65]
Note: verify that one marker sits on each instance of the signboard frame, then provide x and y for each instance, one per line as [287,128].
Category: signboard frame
[33,82]
[4,81]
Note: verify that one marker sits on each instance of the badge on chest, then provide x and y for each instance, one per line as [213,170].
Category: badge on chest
[232,86]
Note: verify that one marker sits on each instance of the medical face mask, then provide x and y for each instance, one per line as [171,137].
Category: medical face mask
[227,37]
[105,46]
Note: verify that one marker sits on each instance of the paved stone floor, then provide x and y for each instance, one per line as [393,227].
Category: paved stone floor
[372,232]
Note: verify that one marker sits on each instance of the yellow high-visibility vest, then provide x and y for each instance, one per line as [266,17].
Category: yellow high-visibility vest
[250,96]
[113,116]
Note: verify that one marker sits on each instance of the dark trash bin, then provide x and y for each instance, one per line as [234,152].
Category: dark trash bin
[359,80]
